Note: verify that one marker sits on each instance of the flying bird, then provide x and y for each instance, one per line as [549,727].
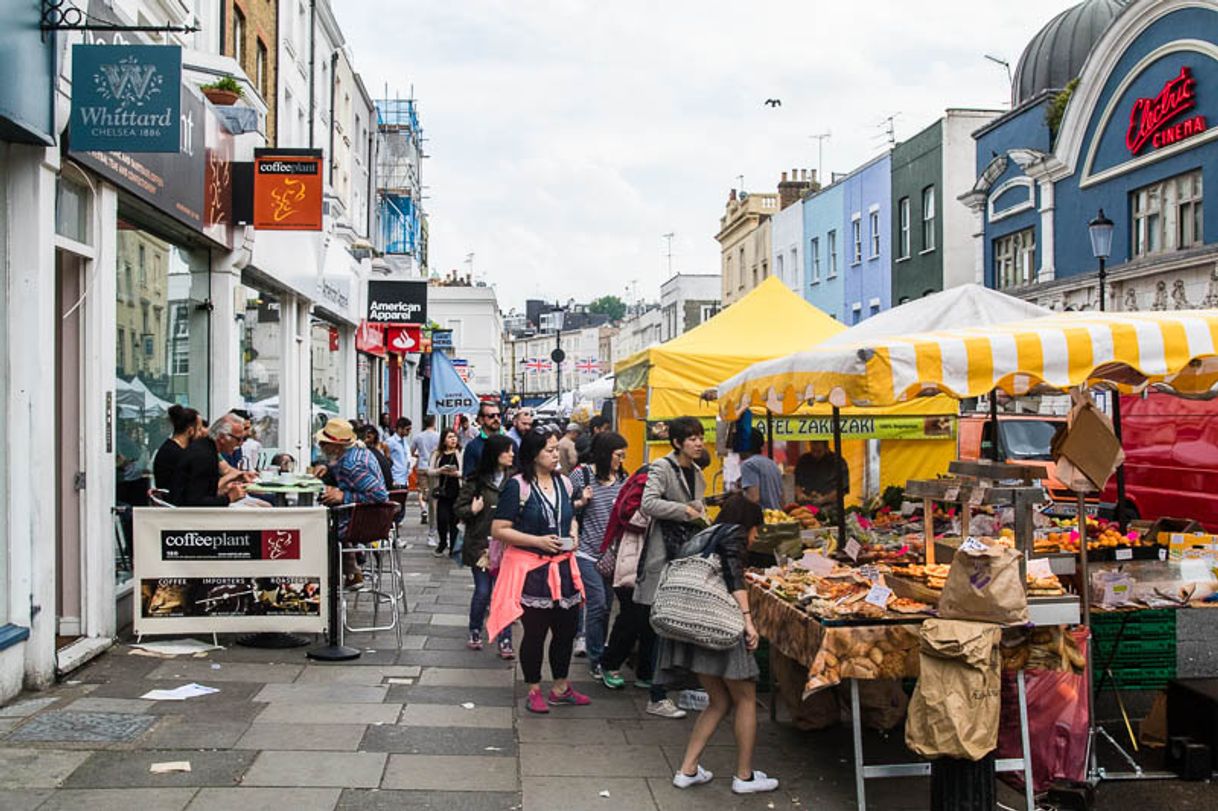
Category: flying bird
[773,102]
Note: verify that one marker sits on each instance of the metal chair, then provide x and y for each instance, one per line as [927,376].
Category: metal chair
[370,531]
[400,498]
[158,496]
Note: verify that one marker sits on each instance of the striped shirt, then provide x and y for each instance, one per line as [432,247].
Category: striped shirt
[595,517]
[358,475]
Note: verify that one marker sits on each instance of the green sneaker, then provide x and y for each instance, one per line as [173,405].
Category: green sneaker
[643,684]
[613,680]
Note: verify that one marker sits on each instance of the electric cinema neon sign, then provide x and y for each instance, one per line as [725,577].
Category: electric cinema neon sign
[1150,120]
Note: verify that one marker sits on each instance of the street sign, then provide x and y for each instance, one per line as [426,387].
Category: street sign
[126,98]
[405,340]
[558,356]
[442,339]
[397,301]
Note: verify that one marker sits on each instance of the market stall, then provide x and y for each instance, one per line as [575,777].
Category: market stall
[1127,352]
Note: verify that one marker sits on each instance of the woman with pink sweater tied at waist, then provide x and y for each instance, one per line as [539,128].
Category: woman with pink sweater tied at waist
[538,580]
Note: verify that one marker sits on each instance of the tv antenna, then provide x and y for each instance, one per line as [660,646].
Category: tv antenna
[668,238]
[820,154]
[890,128]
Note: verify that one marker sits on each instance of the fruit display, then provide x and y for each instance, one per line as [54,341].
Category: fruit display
[1101,534]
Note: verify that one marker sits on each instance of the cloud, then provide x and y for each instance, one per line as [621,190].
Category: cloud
[567,137]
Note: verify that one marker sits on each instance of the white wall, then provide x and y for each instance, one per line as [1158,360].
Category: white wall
[959,174]
[473,315]
[786,246]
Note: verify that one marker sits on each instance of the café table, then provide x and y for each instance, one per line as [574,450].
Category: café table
[299,491]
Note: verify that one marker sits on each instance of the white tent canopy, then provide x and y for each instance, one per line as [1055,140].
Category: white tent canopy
[594,393]
[969,305]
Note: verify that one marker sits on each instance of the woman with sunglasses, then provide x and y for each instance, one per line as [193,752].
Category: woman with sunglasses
[539,581]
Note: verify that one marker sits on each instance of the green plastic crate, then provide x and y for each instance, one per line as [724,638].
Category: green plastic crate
[1140,678]
[1133,647]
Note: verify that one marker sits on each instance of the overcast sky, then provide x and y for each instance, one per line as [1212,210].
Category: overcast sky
[567,137]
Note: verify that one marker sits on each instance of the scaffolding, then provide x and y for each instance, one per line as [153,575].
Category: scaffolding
[399,187]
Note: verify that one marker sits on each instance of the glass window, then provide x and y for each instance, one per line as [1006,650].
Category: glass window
[832,248]
[159,361]
[327,386]
[903,214]
[780,268]
[261,363]
[71,210]
[814,252]
[874,222]
[1167,215]
[1014,259]
[239,50]
[928,218]
[856,232]
[260,70]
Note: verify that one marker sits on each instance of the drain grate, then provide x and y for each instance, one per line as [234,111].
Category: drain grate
[83,727]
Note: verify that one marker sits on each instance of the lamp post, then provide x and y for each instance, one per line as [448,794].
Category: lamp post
[1100,230]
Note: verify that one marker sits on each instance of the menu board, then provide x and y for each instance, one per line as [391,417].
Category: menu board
[217,570]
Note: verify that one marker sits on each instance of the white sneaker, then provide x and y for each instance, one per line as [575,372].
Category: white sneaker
[758,785]
[433,540]
[683,780]
[665,709]
[581,647]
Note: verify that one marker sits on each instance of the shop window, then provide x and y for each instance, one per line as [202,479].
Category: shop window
[832,249]
[1167,216]
[856,233]
[814,252]
[874,222]
[327,370]
[262,363]
[903,219]
[71,210]
[1015,259]
[153,354]
[928,218]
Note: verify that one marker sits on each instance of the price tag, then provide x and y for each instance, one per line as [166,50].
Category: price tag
[952,494]
[977,496]
[817,564]
[972,545]
[1162,554]
[870,572]
[1123,554]
[879,595]
[853,549]
[1039,568]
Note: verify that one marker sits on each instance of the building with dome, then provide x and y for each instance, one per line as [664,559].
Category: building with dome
[1114,108]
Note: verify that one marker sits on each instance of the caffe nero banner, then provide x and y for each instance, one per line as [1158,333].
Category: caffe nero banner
[397,302]
[126,98]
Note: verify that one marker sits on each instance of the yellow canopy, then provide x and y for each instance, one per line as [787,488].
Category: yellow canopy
[770,321]
[1174,350]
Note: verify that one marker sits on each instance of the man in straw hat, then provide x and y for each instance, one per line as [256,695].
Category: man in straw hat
[357,477]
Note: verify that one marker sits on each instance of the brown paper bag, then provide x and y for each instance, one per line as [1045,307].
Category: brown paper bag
[984,585]
[955,708]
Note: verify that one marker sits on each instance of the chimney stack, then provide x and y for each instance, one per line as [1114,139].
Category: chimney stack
[791,190]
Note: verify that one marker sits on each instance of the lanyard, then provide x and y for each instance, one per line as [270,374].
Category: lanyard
[553,510]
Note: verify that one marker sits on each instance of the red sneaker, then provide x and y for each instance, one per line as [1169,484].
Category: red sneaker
[569,697]
[535,702]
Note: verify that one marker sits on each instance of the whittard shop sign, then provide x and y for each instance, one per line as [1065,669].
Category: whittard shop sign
[126,98]
[397,302]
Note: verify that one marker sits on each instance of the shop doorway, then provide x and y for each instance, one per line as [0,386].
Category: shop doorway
[68,447]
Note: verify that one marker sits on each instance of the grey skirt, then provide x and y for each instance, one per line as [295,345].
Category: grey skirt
[680,658]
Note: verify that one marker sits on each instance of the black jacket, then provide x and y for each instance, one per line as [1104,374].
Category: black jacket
[728,540]
[477,526]
[198,476]
[166,466]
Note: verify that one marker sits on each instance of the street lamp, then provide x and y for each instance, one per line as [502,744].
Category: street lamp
[1101,247]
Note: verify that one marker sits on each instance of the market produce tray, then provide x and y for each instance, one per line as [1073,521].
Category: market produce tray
[912,590]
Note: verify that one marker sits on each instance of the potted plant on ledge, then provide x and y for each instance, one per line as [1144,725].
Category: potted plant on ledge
[223,92]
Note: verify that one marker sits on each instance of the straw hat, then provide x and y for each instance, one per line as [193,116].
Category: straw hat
[336,432]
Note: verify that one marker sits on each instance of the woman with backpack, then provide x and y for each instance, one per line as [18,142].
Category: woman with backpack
[729,676]
[476,505]
[603,480]
[539,581]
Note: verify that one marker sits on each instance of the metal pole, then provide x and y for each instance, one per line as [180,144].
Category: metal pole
[994,426]
[1103,279]
[1085,600]
[840,498]
[1122,521]
[334,650]
[769,432]
[558,371]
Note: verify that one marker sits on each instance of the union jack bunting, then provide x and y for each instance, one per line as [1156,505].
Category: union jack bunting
[589,366]
[537,364]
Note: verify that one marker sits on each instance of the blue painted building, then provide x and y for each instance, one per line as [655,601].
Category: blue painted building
[867,226]
[1138,134]
[823,258]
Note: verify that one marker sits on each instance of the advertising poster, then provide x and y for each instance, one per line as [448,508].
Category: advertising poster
[288,190]
[215,570]
[391,301]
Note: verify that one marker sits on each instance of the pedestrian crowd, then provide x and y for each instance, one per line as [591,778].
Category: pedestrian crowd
[556,529]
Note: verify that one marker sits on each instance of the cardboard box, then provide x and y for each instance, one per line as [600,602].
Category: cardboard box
[1090,445]
[1179,543]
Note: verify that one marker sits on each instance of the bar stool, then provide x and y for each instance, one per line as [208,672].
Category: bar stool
[400,498]
[370,530]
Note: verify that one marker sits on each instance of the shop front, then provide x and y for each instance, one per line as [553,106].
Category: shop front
[1132,147]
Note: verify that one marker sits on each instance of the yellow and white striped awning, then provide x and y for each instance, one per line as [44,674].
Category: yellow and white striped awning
[1175,350]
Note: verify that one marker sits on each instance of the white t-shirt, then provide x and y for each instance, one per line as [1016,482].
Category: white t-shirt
[424,444]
